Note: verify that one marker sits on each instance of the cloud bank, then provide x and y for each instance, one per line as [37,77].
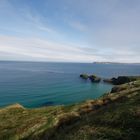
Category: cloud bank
[70,31]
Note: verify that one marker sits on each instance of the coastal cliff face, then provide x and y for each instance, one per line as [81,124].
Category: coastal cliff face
[114,116]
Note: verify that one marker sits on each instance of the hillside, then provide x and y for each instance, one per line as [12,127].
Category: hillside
[114,116]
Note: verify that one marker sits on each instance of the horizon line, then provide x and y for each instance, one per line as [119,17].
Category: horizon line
[94,62]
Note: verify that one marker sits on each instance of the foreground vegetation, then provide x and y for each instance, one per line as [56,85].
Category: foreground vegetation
[114,116]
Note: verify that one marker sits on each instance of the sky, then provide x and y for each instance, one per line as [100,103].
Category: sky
[70,30]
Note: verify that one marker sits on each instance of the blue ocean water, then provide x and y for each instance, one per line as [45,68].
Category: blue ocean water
[35,84]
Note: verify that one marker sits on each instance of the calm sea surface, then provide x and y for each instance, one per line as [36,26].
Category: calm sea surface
[35,84]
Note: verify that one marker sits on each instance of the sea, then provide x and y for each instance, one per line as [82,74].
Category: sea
[37,84]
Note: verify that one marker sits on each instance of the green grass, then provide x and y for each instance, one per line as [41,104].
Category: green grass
[20,122]
[120,120]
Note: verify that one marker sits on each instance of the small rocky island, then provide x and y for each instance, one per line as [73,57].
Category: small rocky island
[84,76]
[93,78]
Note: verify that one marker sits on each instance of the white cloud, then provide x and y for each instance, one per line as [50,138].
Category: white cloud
[43,50]
[35,49]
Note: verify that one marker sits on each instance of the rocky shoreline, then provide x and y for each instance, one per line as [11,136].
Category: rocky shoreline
[115,81]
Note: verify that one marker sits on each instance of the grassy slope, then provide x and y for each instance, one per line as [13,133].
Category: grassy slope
[117,121]
[114,116]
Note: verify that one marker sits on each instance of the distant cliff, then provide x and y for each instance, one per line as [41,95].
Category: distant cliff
[116,63]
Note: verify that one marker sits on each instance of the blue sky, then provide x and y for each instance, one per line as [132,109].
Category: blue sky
[70,30]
